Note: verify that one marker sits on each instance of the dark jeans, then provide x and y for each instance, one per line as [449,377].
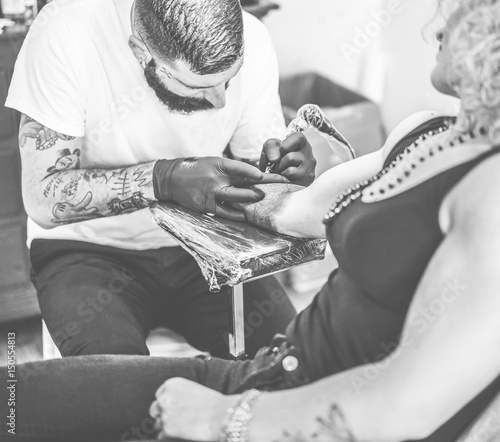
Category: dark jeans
[97,398]
[103,300]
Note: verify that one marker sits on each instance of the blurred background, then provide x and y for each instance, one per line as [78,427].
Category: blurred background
[392,69]
[367,65]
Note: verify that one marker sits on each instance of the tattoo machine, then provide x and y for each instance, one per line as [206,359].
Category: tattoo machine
[311,115]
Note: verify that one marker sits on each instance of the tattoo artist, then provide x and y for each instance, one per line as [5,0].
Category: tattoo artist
[129,102]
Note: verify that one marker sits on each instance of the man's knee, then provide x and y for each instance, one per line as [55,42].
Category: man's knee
[114,347]
[105,345]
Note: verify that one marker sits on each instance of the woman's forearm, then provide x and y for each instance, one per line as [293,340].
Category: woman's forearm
[299,211]
[330,410]
[302,213]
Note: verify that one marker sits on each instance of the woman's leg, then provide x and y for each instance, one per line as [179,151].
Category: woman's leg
[91,397]
[107,398]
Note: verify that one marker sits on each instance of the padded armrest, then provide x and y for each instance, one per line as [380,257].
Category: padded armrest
[230,252]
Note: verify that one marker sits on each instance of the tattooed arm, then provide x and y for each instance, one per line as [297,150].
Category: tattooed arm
[57,191]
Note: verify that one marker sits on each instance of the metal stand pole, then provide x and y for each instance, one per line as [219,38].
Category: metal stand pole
[237,323]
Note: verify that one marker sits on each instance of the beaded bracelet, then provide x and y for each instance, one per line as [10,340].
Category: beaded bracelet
[235,427]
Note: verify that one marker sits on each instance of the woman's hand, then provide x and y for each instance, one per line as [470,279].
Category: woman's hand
[266,212]
[186,410]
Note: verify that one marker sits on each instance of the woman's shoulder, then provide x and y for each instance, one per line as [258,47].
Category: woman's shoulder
[477,195]
[409,125]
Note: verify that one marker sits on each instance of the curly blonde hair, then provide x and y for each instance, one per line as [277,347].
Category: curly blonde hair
[474,45]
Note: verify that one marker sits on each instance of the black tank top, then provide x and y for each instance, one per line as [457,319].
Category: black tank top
[383,249]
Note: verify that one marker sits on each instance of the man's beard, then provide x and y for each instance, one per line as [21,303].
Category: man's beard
[174,102]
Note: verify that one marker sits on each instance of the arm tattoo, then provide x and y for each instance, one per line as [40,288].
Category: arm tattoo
[53,185]
[122,179]
[121,182]
[68,160]
[86,194]
[141,178]
[71,188]
[96,174]
[330,428]
[136,201]
[65,213]
[45,137]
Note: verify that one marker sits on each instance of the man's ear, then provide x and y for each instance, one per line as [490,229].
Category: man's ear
[139,49]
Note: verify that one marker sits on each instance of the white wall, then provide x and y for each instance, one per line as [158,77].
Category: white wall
[392,67]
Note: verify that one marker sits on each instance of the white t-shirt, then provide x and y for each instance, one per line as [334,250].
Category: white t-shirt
[77,75]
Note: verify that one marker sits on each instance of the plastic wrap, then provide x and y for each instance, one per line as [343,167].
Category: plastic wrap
[230,252]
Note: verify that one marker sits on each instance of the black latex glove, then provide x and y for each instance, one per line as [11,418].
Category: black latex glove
[293,158]
[205,184]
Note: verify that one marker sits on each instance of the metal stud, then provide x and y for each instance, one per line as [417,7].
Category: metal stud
[355,191]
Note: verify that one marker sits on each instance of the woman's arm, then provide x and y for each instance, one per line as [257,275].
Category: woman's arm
[447,354]
[301,213]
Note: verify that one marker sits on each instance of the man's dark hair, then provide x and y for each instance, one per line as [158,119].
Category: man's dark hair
[206,34]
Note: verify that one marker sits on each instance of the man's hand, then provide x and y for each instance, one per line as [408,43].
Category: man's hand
[186,410]
[293,158]
[205,184]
